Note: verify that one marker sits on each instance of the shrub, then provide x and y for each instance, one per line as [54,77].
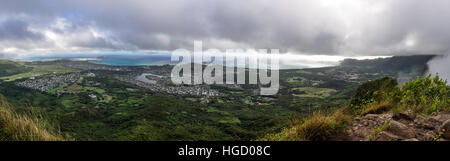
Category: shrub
[425,94]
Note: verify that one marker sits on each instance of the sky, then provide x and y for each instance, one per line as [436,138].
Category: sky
[304,27]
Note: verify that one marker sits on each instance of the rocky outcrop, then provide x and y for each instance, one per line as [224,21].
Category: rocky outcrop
[445,129]
[404,126]
[400,129]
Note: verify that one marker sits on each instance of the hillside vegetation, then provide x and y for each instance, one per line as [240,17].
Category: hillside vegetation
[8,68]
[424,97]
[21,127]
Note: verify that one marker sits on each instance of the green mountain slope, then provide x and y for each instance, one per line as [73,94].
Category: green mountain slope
[8,68]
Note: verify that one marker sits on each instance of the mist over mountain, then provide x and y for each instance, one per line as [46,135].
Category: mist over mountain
[440,65]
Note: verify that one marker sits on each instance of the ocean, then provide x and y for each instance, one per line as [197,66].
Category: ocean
[287,61]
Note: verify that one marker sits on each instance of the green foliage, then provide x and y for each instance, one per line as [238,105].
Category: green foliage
[371,92]
[437,137]
[424,94]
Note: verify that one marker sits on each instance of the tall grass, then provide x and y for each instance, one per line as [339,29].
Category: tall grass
[24,127]
[378,108]
[318,127]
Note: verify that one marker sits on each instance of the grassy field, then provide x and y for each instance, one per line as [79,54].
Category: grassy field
[39,70]
[295,80]
[8,68]
[314,92]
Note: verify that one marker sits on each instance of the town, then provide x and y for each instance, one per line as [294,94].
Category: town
[48,82]
[135,75]
[162,84]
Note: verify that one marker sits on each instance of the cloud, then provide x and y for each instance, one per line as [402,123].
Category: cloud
[17,30]
[326,27]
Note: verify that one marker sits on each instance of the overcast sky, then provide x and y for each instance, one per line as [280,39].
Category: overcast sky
[324,27]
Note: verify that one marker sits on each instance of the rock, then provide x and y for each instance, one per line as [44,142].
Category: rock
[429,136]
[412,139]
[349,132]
[371,117]
[405,115]
[423,122]
[400,129]
[419,119]
[365,123]
[445,129]
[441,139]
[405,126]
[441,117]
[386,136]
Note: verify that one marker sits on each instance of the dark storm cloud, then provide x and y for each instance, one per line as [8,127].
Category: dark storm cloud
[17,30]
[334,27]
